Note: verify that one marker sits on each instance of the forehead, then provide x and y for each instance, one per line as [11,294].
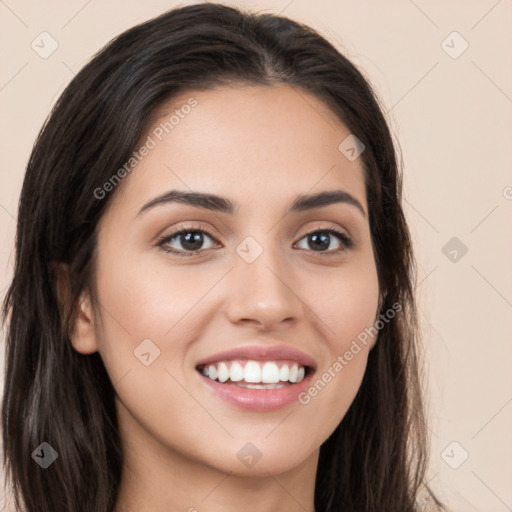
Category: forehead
[251,143]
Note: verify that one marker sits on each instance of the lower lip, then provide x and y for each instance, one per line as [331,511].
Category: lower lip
[258,400]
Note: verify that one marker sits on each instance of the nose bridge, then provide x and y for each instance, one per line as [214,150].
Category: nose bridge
[263,283]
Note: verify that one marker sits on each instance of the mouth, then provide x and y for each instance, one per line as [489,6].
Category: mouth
[251,374]
[256,378]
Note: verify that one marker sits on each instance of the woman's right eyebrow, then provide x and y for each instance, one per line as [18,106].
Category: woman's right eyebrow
[225,205]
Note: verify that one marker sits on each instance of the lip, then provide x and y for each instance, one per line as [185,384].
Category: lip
[260,400]
[259,353]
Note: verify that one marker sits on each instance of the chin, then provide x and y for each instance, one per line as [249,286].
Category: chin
[258,459]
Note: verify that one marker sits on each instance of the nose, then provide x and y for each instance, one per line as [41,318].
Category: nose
[263,294]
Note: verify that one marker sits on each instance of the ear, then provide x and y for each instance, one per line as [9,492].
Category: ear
[83,336]
[82,333]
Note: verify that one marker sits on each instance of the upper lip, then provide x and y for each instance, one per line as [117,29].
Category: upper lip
[261,353]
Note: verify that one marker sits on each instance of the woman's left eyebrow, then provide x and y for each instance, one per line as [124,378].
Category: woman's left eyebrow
[225,205]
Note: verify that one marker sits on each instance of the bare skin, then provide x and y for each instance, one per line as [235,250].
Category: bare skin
[261,147]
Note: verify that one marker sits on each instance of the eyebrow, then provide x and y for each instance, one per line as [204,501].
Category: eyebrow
[224,205]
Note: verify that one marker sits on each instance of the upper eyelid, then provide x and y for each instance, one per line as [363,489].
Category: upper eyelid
[208,231]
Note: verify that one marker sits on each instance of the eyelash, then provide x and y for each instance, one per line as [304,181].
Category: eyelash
[347,242]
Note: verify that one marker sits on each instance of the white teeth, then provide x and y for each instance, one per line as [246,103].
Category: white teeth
[212,372]
[252,372]
[223,372]
[294,370]
[236,372]
[268,375]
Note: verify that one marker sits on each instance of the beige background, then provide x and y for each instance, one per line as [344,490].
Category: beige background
[452,117]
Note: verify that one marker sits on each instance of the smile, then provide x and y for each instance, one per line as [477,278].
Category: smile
[258,378]
[255,374]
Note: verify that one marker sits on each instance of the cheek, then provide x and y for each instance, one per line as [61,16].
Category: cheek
[347,306]
[142,301]
[151,309]
[143,342]
[346,301]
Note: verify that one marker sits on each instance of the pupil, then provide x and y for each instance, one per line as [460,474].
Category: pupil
[319,241]
[192,240]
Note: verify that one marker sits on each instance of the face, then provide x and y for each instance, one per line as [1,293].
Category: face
[257,285]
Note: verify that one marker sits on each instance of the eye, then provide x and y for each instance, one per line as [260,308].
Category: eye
[190,238]
[319,240]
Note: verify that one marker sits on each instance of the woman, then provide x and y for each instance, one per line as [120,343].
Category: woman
[212,303]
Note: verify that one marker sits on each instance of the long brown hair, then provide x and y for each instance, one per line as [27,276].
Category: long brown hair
[375,459]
